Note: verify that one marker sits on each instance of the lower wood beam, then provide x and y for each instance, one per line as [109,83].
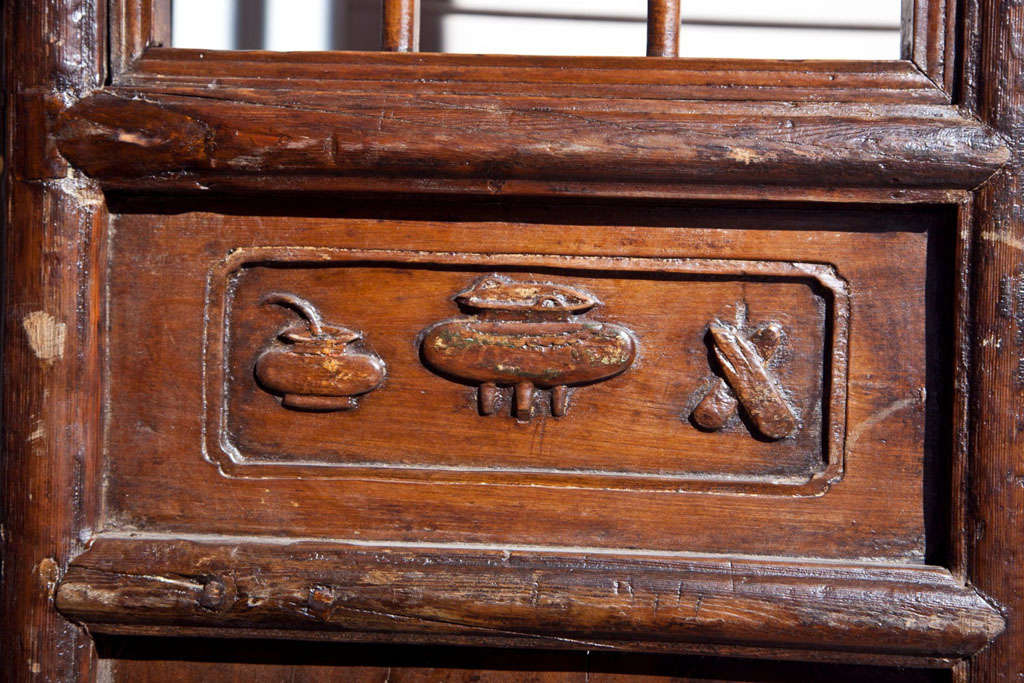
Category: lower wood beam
[166,586]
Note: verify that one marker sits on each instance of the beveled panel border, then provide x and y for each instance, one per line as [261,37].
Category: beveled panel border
[218,449]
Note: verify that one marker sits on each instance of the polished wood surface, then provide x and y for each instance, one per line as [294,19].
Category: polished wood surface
[759,476]
[400,25]
[663,17]
[393,280]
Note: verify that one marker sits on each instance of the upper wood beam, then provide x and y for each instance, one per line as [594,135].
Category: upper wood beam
[181,142]
[427,74]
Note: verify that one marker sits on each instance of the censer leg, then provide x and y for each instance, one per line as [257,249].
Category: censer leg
[488,394]
[559,400]
[524,399]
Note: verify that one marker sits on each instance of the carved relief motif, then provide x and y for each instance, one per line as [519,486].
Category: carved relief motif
[746,381]
[312,365]
[669,300]
[525,335]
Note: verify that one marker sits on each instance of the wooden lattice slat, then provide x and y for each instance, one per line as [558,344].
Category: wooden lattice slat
[663,28]
[400,27]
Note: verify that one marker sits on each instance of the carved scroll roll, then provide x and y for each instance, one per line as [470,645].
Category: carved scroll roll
[746,381]
[524,335]
[313,365]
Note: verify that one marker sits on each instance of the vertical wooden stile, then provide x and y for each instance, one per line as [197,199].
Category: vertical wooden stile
[53,219]
[663,17]
[400,28]
[997,392]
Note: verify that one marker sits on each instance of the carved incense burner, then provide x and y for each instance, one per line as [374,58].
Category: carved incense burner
[312,366]
[525,335]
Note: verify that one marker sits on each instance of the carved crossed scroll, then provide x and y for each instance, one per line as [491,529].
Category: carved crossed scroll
[746,381]
[524,335]
[313,365]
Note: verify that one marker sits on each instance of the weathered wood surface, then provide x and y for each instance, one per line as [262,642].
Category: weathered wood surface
[930,33]
[576,599]
[755,387]
[525,335]
[166,142]
[53,219]
[997,395]
[720,403]
[314,365]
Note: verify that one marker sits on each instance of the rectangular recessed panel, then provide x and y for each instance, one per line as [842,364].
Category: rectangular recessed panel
[740,382]
[637,420]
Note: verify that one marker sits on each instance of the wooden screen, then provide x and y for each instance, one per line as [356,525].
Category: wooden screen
[696,357]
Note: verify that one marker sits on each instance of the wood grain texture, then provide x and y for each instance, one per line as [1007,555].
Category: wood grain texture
[176,142]
[134,28]
[400,28]
[663,18]
[53,220]
[579,600]
[996,494]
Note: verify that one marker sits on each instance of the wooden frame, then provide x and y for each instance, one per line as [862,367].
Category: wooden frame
[941,126]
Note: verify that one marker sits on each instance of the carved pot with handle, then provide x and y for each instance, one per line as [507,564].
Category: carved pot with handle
[314,367]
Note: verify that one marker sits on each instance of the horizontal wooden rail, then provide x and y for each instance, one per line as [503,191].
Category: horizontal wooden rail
[166,584]
[663,17]
[169,142]
[425,74]
[400,26]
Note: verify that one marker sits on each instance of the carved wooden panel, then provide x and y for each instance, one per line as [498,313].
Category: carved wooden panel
[651,346]
[625,465]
